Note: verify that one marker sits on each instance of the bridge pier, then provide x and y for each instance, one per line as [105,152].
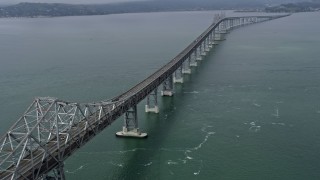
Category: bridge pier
[178,76]
[213,40]
[152,102]
[130,127]
[228,26]
[199,58]
[218,34]
[168,87]
[210,41]
[222,28]
[206,45]
[193,62]
[231,24]
[186,67]
[203,52]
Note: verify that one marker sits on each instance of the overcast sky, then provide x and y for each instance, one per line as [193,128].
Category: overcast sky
[65,1]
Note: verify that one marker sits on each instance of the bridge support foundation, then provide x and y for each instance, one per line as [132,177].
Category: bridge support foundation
[130,127]
[168,87]
[199,58]
[193,62]
[186,71]
[178,80]
[152,102]
[178,76]
[186,67]
[220,37]
[207,49]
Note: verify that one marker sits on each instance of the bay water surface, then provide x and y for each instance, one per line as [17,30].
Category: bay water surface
[250,110]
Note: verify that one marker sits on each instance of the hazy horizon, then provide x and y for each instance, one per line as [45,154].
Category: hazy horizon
[118,1]
[67,1]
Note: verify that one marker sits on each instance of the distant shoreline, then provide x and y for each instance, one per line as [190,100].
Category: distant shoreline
[50,10]
[35,10]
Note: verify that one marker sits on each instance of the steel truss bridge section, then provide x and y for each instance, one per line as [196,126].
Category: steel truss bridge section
[51,130]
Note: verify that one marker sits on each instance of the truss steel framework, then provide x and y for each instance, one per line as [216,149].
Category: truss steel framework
[41,137]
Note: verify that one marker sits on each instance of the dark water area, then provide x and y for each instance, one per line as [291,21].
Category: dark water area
[249,111]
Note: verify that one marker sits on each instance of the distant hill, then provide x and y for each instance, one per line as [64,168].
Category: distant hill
[57,9]
[296,7]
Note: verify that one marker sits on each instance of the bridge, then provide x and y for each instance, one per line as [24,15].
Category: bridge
[51,129]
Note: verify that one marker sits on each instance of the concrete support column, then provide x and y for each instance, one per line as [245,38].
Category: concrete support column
[210,39]
[152,102]
[214,41]
[206,45]
[168,87]
[199,58]
[219,34]
[130,126]
[193,62]
[228,25]
[223,29]
[203,52]
[186,66]
[178,76]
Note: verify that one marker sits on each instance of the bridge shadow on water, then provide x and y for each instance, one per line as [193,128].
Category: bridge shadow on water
[145,152]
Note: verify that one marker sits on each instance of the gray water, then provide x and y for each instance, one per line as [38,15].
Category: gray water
[249,111]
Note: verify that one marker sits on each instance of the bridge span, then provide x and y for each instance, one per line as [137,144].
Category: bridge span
[51,130]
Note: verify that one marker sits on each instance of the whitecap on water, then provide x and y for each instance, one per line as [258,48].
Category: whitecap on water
[192,92]
[76,170]
[281,124]
[183,161]
[148,164]
[196,173]
[255,128]
[276,114]
[188,157]
[257,105]
[204,141]
[132,150]
[115,164]
[170,162]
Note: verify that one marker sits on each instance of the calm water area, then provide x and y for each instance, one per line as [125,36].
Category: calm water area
[250,111]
